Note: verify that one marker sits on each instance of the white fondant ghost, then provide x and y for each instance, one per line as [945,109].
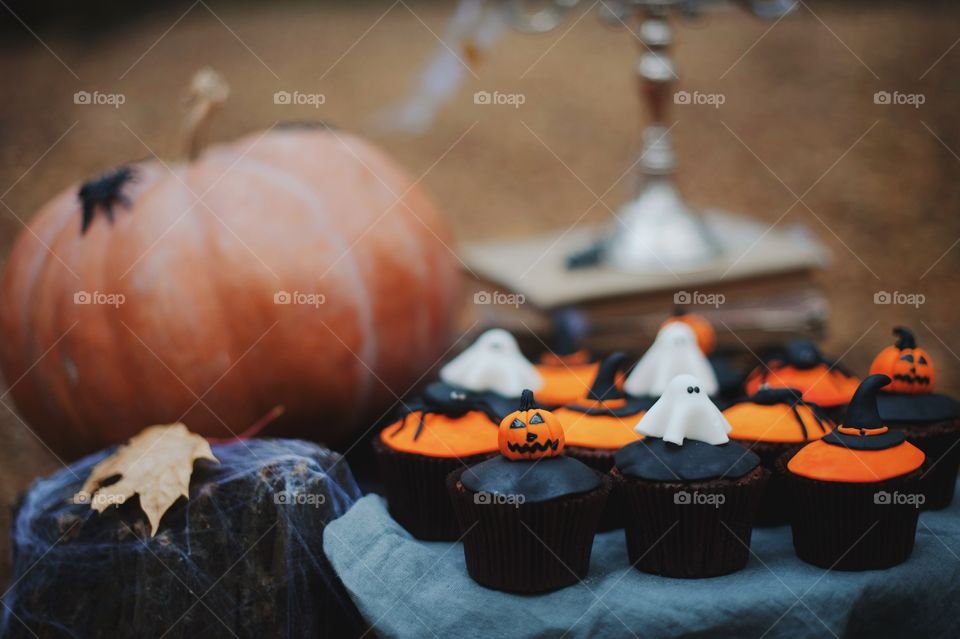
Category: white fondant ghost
[685,412]
[493,363]
[674,352]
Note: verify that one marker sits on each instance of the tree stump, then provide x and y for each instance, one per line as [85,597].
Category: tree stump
[241,558]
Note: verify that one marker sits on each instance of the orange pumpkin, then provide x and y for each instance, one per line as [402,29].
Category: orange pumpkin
[299,266]
[703,329]
[531,432]
[908,366]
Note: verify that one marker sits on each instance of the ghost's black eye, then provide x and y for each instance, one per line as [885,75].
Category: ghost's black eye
[536,419]
[923,360]
[690,389]
[696,389]
[906,358]
[517,424]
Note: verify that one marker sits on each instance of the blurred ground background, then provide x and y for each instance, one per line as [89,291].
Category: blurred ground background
[798,97]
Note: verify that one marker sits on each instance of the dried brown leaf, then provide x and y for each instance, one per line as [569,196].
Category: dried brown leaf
[156,464]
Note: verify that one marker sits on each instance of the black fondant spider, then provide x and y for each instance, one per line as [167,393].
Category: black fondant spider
[104,191]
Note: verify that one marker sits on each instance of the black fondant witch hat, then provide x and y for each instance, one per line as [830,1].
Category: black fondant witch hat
[605,389]
[605,383]
[862,427]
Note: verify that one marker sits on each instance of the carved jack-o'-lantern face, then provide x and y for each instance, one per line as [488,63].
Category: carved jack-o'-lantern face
[910,367]
[531,432]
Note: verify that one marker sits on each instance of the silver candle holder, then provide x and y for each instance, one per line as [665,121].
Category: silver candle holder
[656,230]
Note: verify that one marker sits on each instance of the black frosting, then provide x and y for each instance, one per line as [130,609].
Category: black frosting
[537,480]
[927,408]
[654,459]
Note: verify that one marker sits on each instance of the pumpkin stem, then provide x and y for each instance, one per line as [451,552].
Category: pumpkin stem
[103,191]
[208,92]
[905,338]
[527,402]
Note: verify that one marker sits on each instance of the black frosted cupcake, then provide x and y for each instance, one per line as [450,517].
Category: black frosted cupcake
[856,492]
[930,421]
[689,494]
[529,515]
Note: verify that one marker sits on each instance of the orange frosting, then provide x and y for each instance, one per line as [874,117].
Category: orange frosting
[827,462]
[565,384]
[773,423]
[597,431]
[819,385]
[442,436]
[573,359]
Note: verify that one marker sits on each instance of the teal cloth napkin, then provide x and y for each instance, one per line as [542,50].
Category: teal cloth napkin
[409,588]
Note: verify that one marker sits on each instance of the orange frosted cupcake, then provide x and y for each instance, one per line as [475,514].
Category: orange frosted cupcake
[452,425]
[801,366]
[855,493]
[566,378]
[771,423]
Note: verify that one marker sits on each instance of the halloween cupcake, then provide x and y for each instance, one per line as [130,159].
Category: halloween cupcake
[689,494]
[597,427]
[674,352]
[855,493]
[452,425]
[567,369]
[930,421]
[801,366]
[528,515]
[772,422]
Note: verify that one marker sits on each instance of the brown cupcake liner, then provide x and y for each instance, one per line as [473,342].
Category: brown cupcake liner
[775,501]
[940,442]
[530,547]
[849,526]
[415,486]
[601,460]
[684,529]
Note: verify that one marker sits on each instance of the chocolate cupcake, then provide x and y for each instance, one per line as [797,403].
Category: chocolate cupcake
[801,366]
[855,493]
[689,494]
[529,515]
[452,425]
[771,423]
[930,421]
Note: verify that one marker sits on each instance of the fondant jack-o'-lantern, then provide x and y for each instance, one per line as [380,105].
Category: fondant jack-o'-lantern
[909,367]
[531,432]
